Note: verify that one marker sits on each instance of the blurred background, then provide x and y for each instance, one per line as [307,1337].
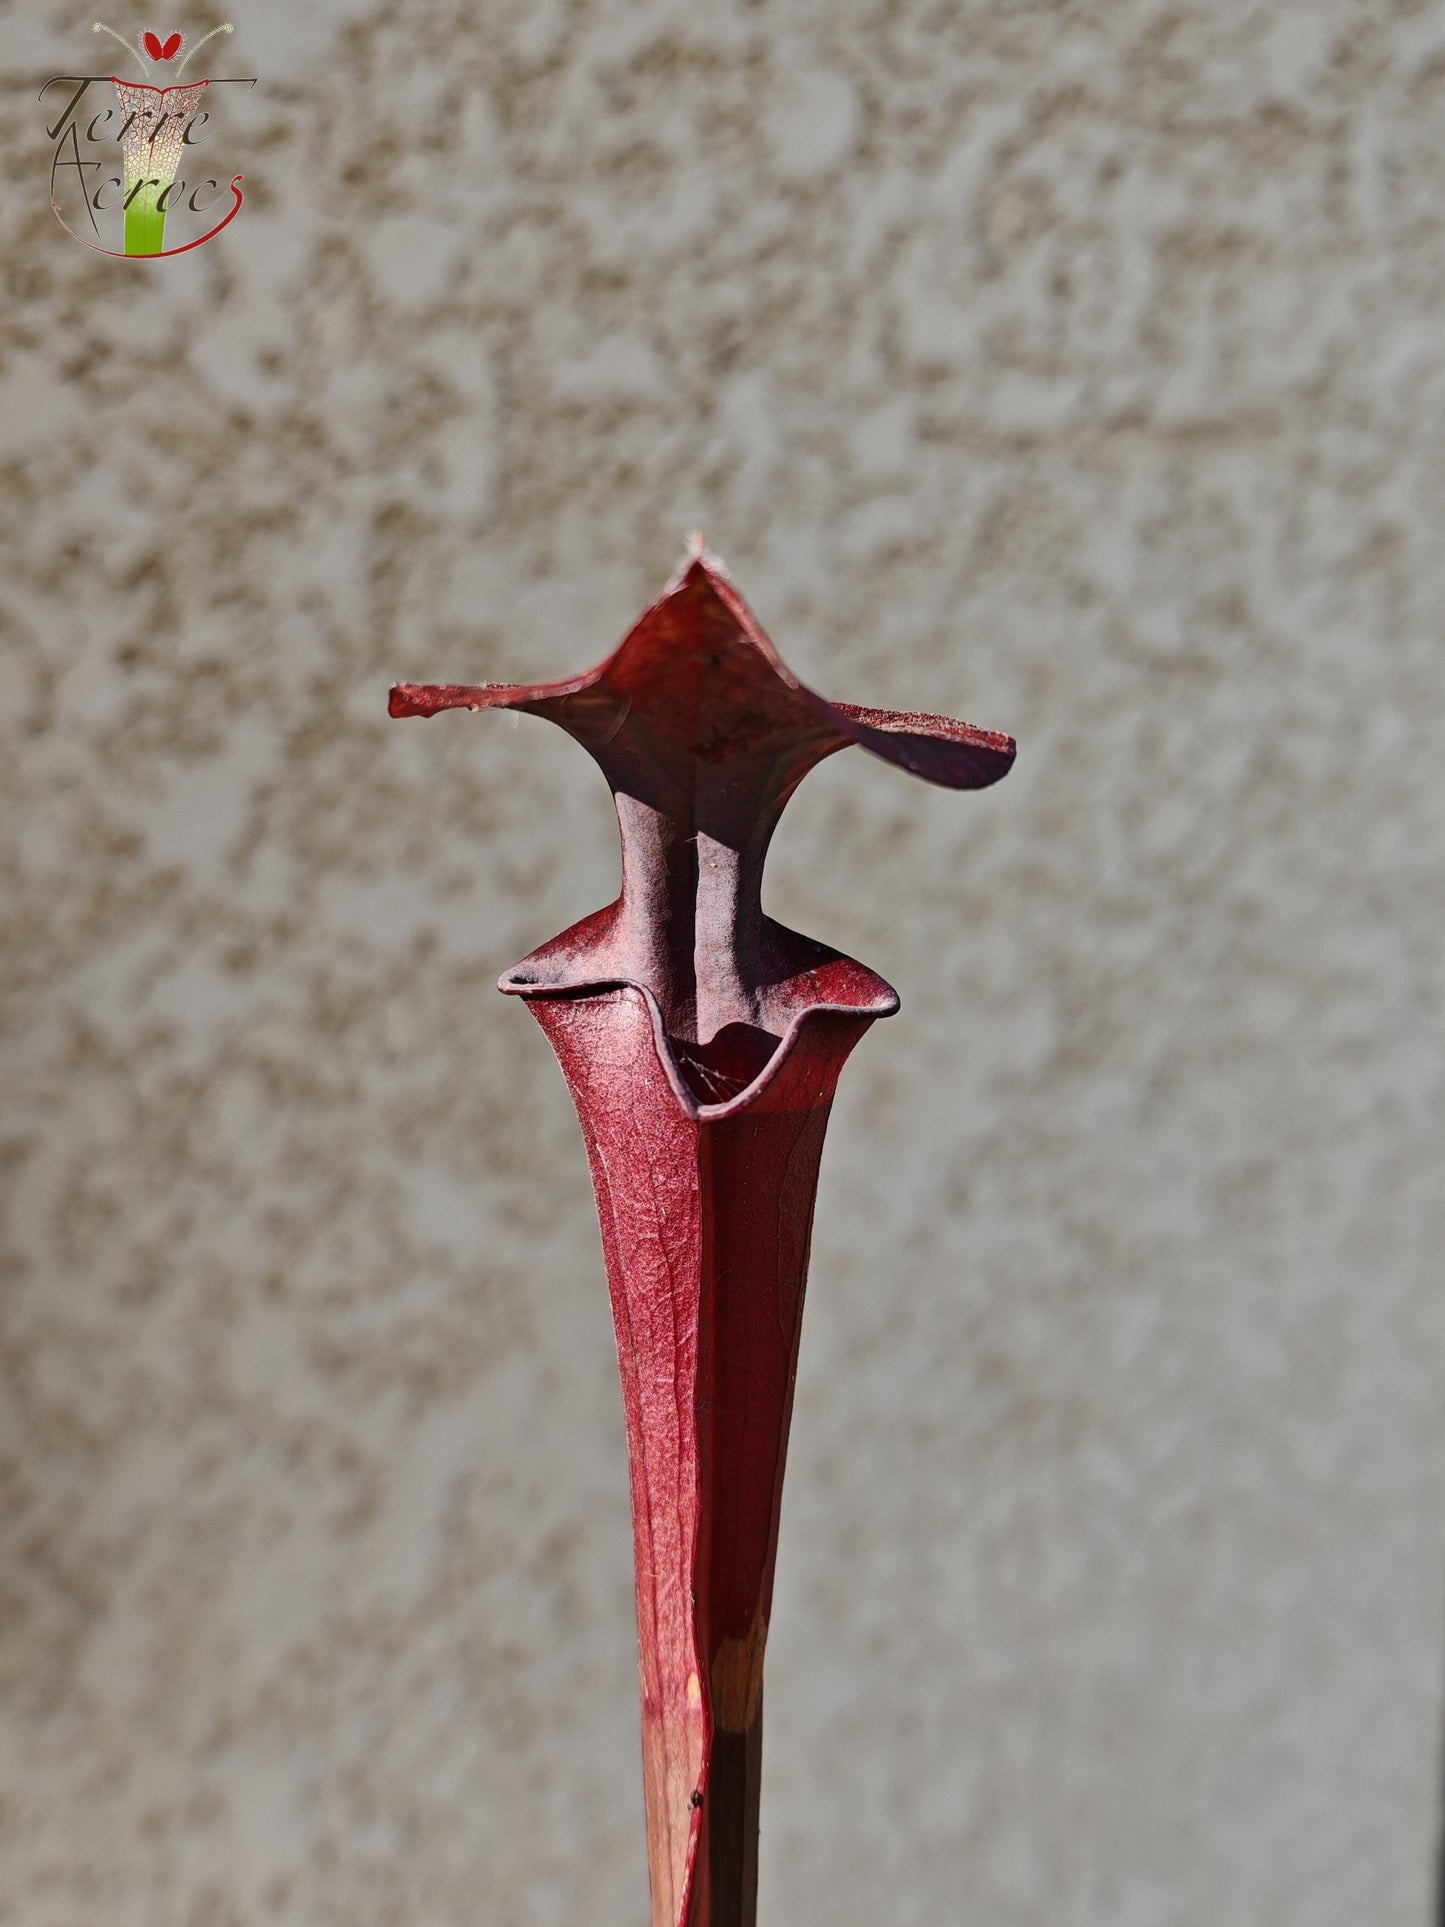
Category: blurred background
[1073,368]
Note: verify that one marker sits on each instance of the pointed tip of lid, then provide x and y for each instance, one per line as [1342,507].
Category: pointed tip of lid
[699,559]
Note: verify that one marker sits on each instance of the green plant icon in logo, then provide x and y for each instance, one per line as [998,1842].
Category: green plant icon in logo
[156,120]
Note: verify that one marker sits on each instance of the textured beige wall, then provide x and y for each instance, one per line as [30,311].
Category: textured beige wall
[1076,368]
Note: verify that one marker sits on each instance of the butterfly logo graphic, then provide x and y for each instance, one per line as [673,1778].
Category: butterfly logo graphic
[162,50]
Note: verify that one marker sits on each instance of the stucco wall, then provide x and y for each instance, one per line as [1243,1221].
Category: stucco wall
[1074,368]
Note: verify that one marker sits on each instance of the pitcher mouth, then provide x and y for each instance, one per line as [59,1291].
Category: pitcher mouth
[717,1079]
